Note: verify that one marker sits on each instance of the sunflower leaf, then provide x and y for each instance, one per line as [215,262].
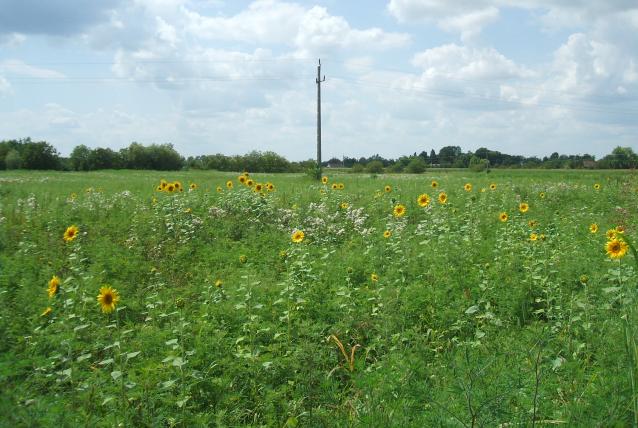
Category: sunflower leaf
[116,374]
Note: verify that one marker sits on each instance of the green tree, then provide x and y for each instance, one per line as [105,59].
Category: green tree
[80,158]
[13,160]
[416,166]
[375,167]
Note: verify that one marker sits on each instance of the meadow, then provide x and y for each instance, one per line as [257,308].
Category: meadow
[496,300]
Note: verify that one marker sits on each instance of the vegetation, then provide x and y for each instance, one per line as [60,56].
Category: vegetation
[26,154]
[200,298]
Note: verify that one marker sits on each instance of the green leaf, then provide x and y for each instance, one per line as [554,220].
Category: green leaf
[132,355]
[116,374]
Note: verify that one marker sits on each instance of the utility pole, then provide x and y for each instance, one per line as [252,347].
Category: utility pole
[318,81]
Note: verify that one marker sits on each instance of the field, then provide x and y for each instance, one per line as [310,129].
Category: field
[447,315]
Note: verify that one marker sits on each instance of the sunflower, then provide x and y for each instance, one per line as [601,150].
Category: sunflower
[523,207]
[70,233]
[434,184]
[159,188]
[616,248]
[344,205]
[541,195]
[611,234]
[335,186]
[387,234]
[46,312]
[229,184]
[532,223]
[108,298]
[503,217]
[423,200]
[342,186]
[219,283]
[324,179]
[297,236]
[493,186]
[163,183]
[620,229]
[468,187]
[374,277]
[259,187]
[533,237]
[193,186]
[542,237]
[593,228]
[170,188]
[54,285]
[242,179]
[219,189]
[243,259]
[399,210]
[597,186]
[442,198]
[270,187]
[250,182]
[178,186]
[583,279]
[387,189]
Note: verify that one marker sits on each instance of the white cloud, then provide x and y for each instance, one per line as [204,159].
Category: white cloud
[5,86]
[20,68]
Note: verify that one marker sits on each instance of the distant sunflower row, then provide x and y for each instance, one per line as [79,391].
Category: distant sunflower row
[247,181]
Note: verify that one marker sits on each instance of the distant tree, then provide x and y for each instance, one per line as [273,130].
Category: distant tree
[13,160]
[357,167]
[375,167]
[80,158]
[40,155]
[433,158]
[448,154]
[477,164]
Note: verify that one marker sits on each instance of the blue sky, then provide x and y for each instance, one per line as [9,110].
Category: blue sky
[524,77]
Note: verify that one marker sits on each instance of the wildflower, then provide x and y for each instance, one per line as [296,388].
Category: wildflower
[324,179]
[468,187]
[523,207]
[387,234]
[297,236]
[344,205]
[229,184]
[493,186]
[46,312]
[597,186]
[335,186]
[542,237]
[374,277]
[283,254]
[387,189]
[593,228]
[70,233]
[219,189]
[159,188]
[270,187]
[532,223]
[620,229]
[108,298]
[193,186]
[219,283]
[442,198]
[503,217]
[259,187]
[178,186]
[54,285]
[250,182]
[242,179]
[163,183]
[243,259]
[423,200]
[533,237]
[342,186]
[434,184]
[170,188]
[611,234]
[188,210]
[541,195]
[616,248]
[399,210]
[583,279]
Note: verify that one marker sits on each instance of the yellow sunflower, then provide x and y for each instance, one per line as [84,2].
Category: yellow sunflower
[229,184]
[219,189]
[243,259]
[533,237]
[374,277]
[242,179]
[542,237]
[46,312]
[434,184]
[387,189]
[423,200]
[324,179]
[597,186]
[270,187]
[335,186]
[344,205]
[468,187]
[620,229]
[387,234]
[342,186]
[616,248]
[250,182]
[442,198]
[159,188]
[611,234]
[523,207]
[178,186]
[54,285]
[70,233]
[108,298]
[297,236]
[163,183]
[193,186]
[541,195]
[219,283]
[493,186]
[532,223]
[593,228]
[259,187]
[170,188]
[399,210]
[503,217]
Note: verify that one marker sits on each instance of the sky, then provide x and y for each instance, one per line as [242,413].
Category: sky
[528,77]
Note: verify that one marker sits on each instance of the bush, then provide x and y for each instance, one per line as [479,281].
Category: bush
[357,168]
[416,166]
[477,164]
[375,167]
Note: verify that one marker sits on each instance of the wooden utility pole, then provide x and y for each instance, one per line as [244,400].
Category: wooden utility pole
[319,80]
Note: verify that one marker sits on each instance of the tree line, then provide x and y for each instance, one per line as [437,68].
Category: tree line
[40,155]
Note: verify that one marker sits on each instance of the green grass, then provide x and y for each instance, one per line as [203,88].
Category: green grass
[470,323]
